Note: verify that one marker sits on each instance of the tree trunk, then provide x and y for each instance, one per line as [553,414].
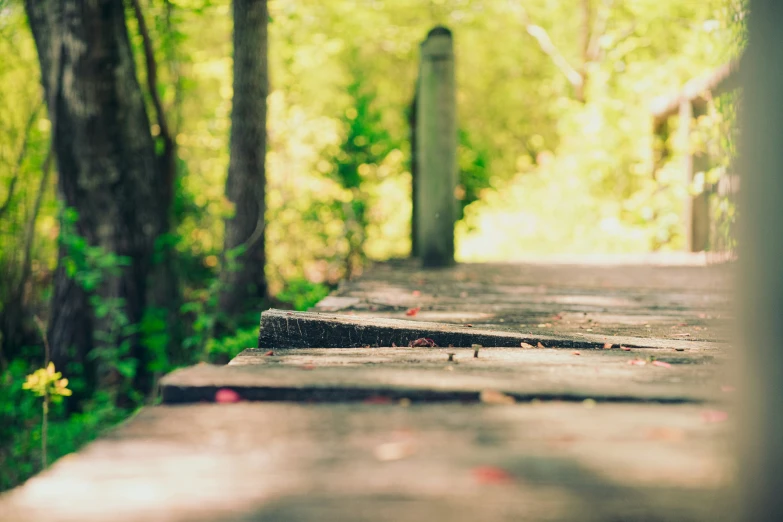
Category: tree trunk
[244,285]
[106,162]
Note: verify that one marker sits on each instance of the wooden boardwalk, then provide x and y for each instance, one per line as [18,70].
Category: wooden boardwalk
[599,394]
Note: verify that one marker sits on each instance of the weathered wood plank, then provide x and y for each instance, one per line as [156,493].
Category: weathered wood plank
[351,462]
[544,460]
[427,375]
[284,329]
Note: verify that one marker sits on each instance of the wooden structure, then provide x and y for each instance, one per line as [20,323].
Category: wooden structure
[688,104]
[434,143]
[761,278]
[599,393]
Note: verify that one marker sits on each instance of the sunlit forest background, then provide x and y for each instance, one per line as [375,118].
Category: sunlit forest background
[556,155]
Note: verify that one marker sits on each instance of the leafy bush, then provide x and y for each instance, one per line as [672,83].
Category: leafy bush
[303,294]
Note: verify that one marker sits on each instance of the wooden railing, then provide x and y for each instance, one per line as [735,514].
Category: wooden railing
[688,104]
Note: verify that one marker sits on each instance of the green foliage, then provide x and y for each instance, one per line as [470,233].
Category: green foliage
[303,294]
[90,267]
[227,348]
[21,427]
[582,182]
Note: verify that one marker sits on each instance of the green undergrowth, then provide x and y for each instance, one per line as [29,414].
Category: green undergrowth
[21,427]
[21,414]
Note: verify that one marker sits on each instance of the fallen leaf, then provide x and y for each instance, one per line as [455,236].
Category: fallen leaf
[469,325]
[539,345]
[661,364]
[412,311]
[422,341]
[270,352]
[226,396]
[491,475]
[576,353]
[608,346]
[416,293]
[495,397]
[625,348]
[637,362]
[711,416]
[525,345]
[727,388]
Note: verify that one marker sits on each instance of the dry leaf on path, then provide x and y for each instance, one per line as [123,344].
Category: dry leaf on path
[422,341]
[491,475]
[226,396]
[711,416]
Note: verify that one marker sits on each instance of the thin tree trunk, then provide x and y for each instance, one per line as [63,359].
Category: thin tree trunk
[164,289]
[244,286]
[106,162]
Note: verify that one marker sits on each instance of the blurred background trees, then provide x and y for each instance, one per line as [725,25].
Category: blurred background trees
[160,191]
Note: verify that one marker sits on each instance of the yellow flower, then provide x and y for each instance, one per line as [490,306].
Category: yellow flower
[47,381]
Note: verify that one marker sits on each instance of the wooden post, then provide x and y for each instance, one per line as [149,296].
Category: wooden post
[414,217]
[436,151]
[700,203]
[697,212]
[760,308]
